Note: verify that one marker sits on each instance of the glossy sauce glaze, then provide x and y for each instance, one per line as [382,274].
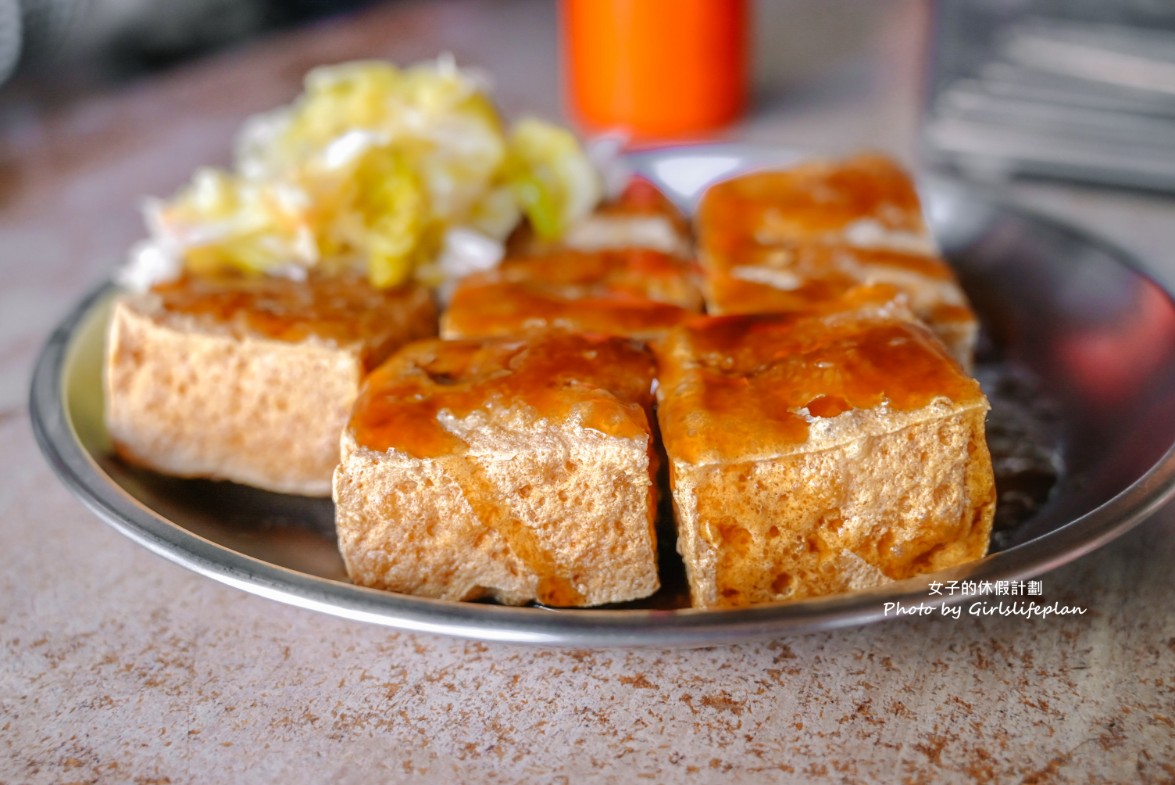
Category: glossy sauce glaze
[815,201]
[833,261]
[553,587]
[730,294]
[740,385]
[499,309]
[1025,437]
[801,240]
[631,292]
[735,296]
[640,272]
[603,383]
[343,308]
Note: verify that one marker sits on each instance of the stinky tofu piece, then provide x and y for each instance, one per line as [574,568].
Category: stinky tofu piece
[813,455]
[521,470]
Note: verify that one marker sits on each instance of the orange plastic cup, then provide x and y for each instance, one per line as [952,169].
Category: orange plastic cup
[655,69]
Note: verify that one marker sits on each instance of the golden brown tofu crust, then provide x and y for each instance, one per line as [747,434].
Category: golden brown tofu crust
[518,470]
[639,272]
[249,380]
[604,383]
[815,455]
[342,309]
[792,240]
[631,292]
[814,202]
[741,387]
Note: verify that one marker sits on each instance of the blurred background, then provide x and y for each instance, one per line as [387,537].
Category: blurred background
[53,51]
[99,41]
[1072,89]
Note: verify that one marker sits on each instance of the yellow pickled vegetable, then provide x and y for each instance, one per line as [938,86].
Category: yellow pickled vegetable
[369,169]
[551,177]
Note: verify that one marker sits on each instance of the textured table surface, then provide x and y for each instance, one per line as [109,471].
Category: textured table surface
[117,666]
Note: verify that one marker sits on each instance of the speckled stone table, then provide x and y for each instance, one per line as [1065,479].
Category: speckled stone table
[117,666]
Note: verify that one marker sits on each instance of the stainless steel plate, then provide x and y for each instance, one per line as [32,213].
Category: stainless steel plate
[1097,334]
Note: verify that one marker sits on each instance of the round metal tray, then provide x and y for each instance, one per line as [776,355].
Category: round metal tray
[1097,334]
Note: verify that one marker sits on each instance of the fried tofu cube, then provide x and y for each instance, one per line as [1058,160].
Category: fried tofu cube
[804,278]
[520,470]
[816,455]
[866,201]
[632,292]
[789,239]
[249,379]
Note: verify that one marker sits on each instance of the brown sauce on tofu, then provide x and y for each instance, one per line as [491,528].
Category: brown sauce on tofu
[946,314]
[736,384]
[553,587]
[834,260]
[638,272]
[632,292]
[603,383]
[341,308]
[810,201]
[491,309]
[734,296]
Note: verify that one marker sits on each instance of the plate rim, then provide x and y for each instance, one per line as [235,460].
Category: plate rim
[583,628]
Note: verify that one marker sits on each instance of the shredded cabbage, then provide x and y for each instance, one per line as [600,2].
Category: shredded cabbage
[551,177]
[370,169]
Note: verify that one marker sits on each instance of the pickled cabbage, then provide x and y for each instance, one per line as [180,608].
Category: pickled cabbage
[370,169]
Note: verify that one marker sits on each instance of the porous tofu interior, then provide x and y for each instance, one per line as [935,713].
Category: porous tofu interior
[554,513]
[516,469]
[196,404]
[884,505]
[249,380]
[813,455]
